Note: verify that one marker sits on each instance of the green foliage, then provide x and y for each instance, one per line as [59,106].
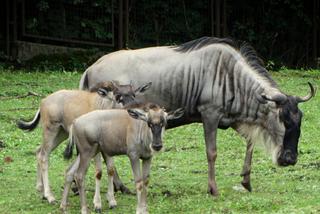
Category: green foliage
[279,30]
[71,61]
[178,175]
[77,20]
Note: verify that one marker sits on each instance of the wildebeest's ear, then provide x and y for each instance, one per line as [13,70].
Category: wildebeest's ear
[143,88]
[102,92]
[278,98]
[138,114]
[175,114]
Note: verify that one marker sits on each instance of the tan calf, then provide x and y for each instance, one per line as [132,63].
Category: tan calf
[57,112]
[136,132]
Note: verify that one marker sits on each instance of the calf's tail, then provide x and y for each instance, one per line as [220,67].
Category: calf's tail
[29,126]
[67,154]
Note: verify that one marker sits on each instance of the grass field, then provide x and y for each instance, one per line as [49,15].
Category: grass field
[178,176]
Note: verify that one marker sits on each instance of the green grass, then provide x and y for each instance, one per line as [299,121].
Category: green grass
[178,176]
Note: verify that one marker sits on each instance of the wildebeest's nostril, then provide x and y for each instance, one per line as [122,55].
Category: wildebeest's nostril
[157,147]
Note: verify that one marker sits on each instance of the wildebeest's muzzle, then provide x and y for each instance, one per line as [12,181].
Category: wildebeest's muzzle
[157,137]
[287,158]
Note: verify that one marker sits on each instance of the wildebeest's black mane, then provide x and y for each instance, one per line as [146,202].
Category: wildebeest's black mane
[246,50]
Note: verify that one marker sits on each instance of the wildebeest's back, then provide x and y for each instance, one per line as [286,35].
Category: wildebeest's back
[66,105]
[108,128]
[177,78]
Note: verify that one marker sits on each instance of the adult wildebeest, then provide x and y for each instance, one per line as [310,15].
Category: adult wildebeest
[217,84]
[137,133]
[57,112]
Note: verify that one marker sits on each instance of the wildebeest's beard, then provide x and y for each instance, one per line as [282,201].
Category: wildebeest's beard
[291,116]
[156,130]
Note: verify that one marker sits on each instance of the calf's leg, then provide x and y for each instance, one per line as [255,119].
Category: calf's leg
[97,196]
[110,194]
[69,178]
[146,164]
[136,169]
[85,158]
[52,137]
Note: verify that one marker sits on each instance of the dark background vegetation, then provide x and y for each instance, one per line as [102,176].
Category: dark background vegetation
[284,32]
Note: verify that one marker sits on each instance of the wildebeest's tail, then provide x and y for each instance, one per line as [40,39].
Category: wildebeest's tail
[67,154]
[29,126]
[84,82]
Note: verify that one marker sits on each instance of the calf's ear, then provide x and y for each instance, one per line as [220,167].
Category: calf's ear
[175,114]
[138,114]
[143,88]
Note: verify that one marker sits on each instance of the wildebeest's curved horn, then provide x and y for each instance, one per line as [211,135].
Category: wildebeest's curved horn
[309,96]
[278,98]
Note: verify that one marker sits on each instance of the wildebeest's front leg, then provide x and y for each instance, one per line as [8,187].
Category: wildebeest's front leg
[135,164]
[110,194]
[210,124]
[246,170]
[146,164]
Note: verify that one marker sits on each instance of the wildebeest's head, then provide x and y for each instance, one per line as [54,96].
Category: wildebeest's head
[287,126]
[122,94]
[126,94]
[156,119]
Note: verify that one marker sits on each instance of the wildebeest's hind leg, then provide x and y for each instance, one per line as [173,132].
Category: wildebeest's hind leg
[85,156]
[52,137]
[246,170]
[69,178]
[118,185]
[210,124]
[97,197]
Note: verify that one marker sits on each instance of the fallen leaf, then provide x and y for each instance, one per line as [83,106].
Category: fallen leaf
[8,159]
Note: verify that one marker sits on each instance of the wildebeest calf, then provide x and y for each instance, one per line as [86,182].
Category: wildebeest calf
[57,112]
[136,132]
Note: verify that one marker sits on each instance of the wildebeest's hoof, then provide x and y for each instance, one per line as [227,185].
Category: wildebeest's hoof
[125,190]
[50,199]
[39,187]
[247,186]
[213,191]
[97,210]
[75,190]
[112,204]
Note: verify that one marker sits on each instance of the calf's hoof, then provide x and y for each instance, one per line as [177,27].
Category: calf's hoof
[112,204]
[50,199]
[39,187]
[97,210]
[142,210]
[84,210]
[63,208]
